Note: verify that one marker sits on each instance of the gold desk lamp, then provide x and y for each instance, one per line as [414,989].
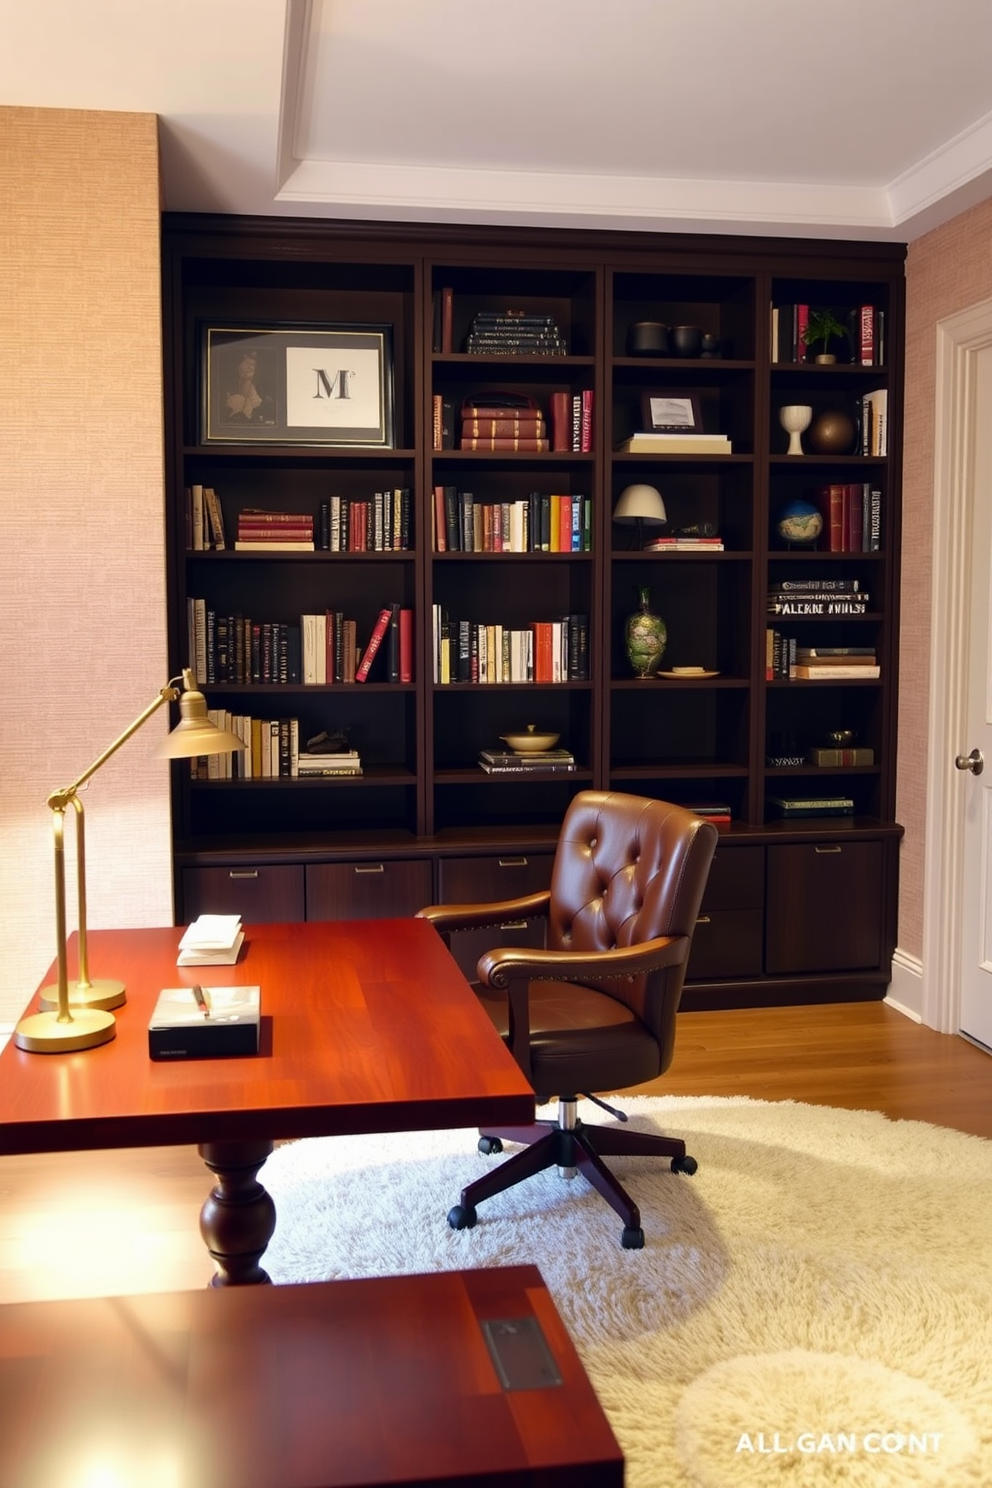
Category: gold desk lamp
[80,1017]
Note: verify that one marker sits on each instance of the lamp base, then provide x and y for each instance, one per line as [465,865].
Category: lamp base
[102,993]
[42,1033]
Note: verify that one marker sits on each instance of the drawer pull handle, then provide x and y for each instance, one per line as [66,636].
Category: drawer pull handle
[243,873]
[827,849]
[514,925]
[703,920]
[369,868]
[512,862]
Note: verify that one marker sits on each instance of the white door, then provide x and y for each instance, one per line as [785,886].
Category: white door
[976,921]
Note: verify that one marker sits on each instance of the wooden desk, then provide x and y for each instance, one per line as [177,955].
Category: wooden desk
[367,1026]
[331,1385]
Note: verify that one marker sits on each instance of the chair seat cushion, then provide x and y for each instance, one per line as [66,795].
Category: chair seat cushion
[581,1039]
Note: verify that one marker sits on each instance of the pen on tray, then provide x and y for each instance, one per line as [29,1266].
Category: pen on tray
[202,1001]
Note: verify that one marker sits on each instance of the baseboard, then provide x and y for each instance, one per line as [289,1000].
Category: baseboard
[905,992]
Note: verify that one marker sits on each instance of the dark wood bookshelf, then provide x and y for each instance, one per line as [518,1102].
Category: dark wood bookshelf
[423,819]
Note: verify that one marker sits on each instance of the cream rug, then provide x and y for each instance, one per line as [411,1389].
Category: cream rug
[813,1307]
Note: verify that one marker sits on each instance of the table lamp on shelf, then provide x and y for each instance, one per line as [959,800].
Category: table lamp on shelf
[640,506]
[79,1017]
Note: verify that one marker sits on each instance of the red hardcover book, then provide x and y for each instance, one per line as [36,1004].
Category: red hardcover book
[561,421]
[833,501]
[375,641]
[802,321]
[585,432]
[544,666]
[447,318]
[505,443]
[440,522]
[867,323]
[275,534]
[406,645]
[854,506]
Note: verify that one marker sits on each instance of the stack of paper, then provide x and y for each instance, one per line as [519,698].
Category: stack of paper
[211,940]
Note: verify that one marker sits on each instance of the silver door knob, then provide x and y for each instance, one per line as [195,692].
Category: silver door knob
[973,762]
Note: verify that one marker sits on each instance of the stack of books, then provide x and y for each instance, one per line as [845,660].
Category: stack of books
[494,426]
[718,812]
[274,531]
[653,442]
[684,545]
[514,333]
[536,762]
[804,597]
[836,663]
[329,766]
[211,940]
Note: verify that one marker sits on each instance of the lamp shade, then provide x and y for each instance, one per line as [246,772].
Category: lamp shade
[640,503]
[195,734]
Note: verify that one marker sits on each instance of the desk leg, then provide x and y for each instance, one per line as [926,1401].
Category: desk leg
[238,1219]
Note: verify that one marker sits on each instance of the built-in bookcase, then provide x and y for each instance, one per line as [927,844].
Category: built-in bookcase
[740,737]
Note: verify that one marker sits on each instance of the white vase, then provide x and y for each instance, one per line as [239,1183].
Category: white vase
[795,418]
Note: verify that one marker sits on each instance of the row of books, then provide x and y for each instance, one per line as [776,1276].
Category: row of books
[320,649]
[544,651]
[875,422]
[539,523]
[380,522]
[506,423]
[538,762]
[852,517]
[865,328]
[787,660]
[271,752]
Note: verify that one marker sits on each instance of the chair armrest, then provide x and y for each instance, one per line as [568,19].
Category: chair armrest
[448,917]
[506,964]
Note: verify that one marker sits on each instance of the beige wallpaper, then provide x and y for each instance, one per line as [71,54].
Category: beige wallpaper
[82,598]
[948,270]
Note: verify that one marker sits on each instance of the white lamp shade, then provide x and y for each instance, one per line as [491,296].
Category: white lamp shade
[640,503]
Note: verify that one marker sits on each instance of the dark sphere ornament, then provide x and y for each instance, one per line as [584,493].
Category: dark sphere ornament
[831,433]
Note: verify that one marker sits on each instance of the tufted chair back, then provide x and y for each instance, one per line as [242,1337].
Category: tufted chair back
[628,869]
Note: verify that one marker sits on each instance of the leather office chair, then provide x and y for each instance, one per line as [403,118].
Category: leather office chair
[595,1010]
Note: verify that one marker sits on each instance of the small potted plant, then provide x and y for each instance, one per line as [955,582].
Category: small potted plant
[822,325]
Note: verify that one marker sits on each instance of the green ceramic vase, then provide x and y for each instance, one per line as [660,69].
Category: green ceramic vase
[645,637]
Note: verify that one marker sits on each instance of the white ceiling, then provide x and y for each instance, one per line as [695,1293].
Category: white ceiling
[840,118]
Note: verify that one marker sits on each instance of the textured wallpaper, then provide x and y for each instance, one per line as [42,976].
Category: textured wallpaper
[82,562]
[947,270]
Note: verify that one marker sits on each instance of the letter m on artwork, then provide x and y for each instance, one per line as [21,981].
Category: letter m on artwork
[332,385]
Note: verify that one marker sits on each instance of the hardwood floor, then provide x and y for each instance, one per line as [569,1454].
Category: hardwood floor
[88,1224]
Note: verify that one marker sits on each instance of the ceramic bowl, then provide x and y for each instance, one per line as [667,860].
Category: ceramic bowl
[647,338]
[686,340]
[530,741]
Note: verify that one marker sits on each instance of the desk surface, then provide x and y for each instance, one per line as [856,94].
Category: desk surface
[367,1025]
[384,1381]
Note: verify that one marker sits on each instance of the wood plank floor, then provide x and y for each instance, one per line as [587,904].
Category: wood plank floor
[87,1224]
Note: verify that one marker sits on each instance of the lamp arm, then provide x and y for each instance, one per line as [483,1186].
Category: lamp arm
[60,799]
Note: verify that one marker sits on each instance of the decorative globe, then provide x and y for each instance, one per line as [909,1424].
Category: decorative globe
[800,523]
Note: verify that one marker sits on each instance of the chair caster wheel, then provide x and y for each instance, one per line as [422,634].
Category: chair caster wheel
[462,1217]
[687,1165]
[632,1239]
[489,1145]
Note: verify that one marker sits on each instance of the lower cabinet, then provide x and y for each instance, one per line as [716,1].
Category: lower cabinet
[388,889]
[825,907]
[729,937]
[485,880]
[259,894]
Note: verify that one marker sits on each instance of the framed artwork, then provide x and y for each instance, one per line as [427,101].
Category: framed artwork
[665,412]
[304,384]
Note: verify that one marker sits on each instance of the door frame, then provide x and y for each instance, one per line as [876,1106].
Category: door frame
[960,337]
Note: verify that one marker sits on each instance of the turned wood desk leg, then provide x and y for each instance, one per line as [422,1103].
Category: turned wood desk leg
[239,1218]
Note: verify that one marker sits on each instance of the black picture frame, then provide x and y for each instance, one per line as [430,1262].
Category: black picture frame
[670,411]
[297,384]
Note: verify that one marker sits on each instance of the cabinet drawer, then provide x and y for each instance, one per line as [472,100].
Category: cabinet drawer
[258,894]
[824,907]
[483,880]
[737,879]
[726,943]
[377,890]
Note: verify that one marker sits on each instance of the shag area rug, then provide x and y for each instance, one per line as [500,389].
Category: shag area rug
[813,1307]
